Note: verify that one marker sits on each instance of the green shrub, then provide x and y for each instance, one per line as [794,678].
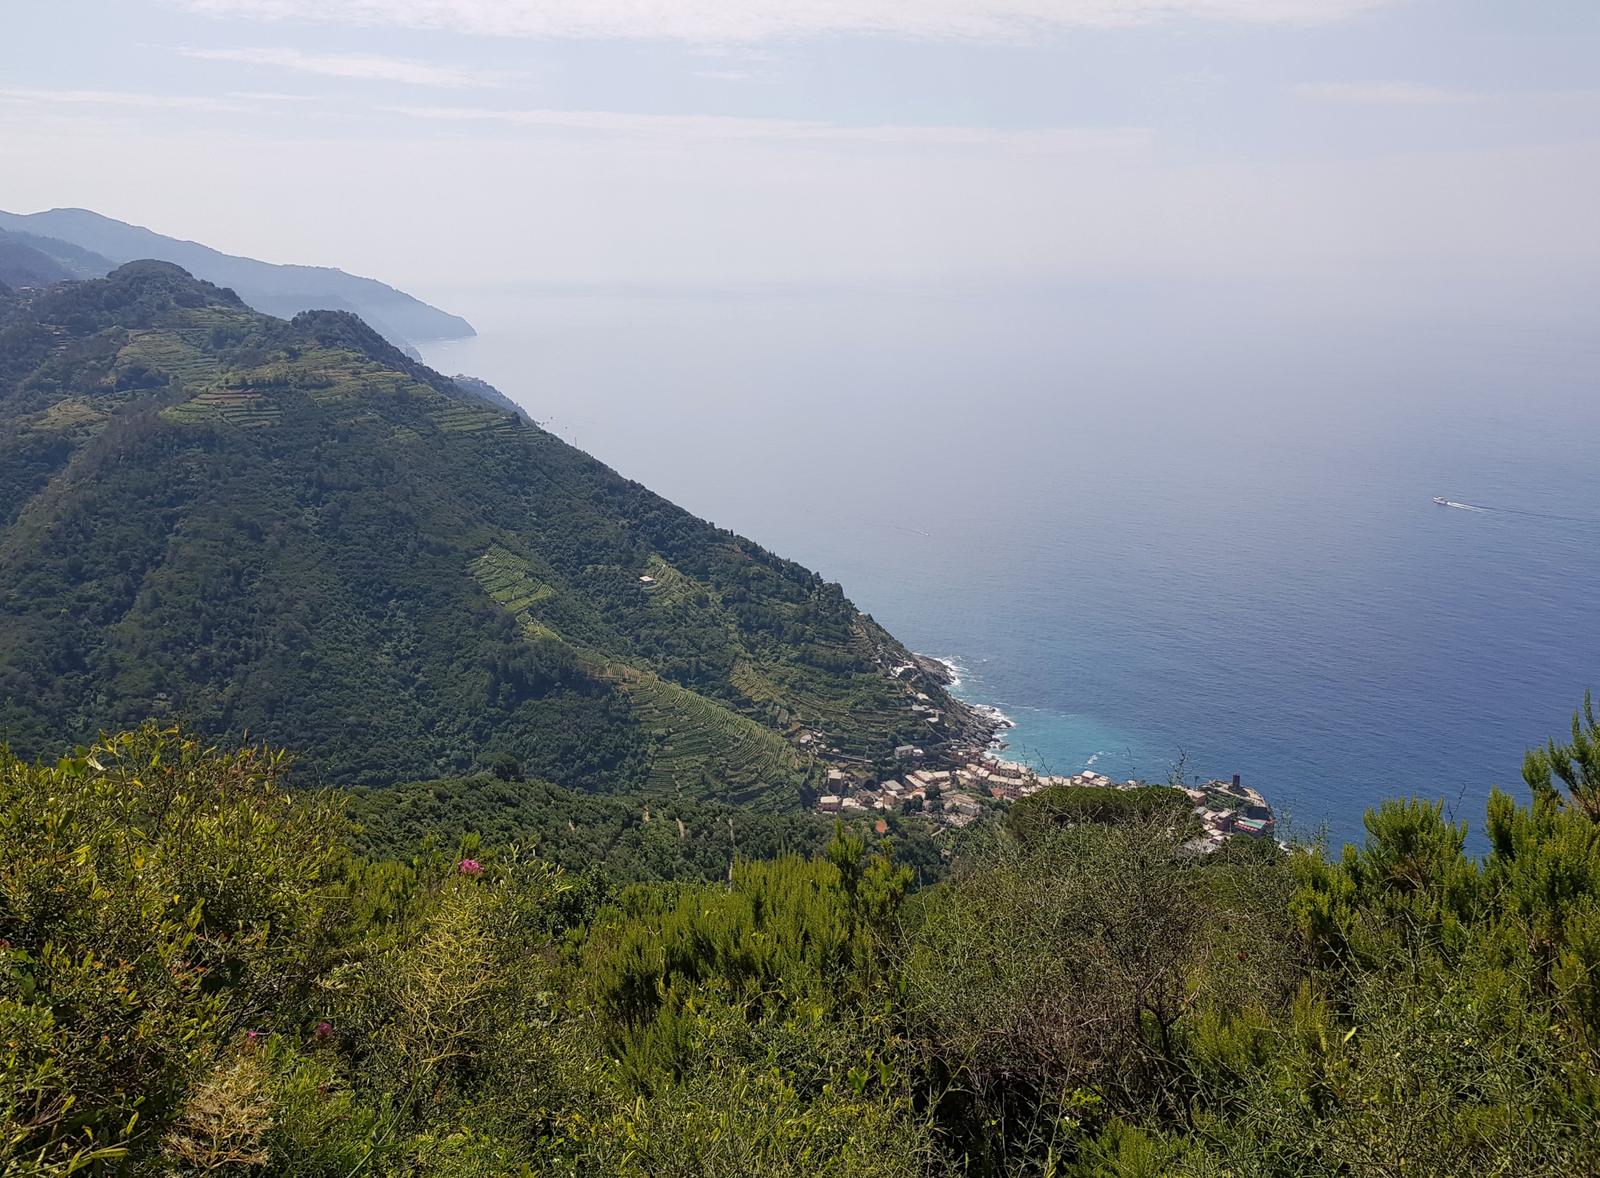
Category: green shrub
[157,900]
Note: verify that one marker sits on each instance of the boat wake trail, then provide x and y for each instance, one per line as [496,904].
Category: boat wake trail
[893,527]
[1569,519]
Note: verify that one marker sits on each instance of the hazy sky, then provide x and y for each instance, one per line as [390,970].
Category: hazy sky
[1363,146]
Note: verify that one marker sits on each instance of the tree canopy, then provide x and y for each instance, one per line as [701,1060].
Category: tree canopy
[204,972]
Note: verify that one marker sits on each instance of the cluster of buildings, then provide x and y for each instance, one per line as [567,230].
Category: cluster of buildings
[1006,781]
[956,797]
[933,792]
[1227,808]
[979,778]
[948,797]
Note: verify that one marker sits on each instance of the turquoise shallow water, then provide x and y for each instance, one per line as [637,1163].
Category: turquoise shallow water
[1061,742]
[1143,525]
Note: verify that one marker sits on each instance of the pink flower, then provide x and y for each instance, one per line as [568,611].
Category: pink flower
[470,867]
[324,1030]
[252,1037]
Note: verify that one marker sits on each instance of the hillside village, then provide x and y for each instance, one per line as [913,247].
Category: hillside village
[954,798]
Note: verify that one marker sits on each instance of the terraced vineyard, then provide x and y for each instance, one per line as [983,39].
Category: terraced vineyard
[327,377]
[66,415]
[460,417]
[170,353]
[238,407]
[331,377]
[704,748]
[509,581]
[705,745]
[863,726]
[670,587]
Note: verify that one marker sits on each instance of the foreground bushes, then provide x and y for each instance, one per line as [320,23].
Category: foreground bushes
[201,977]
[156,900]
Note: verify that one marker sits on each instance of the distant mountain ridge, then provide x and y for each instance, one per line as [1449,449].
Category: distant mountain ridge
[23,265]
[293,531]
[72,261]
[89,245]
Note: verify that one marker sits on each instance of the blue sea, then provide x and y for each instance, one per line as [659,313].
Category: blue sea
[1148,525]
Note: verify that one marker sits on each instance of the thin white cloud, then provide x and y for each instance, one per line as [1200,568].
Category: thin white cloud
[1420,94]
[743,21]
[271,96]
[118,98]
[1386,94]
[727,127]
[363,67]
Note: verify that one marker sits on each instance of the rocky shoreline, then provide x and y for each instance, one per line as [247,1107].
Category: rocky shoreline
[983,723]
[956,779]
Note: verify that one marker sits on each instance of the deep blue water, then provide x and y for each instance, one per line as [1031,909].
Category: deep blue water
[1142,524]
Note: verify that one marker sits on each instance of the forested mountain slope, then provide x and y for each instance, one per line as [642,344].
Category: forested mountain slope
[292,530]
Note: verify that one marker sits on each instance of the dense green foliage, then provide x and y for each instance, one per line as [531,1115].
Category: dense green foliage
[632,838]
[1036,816]
[202,975]
[293,532]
